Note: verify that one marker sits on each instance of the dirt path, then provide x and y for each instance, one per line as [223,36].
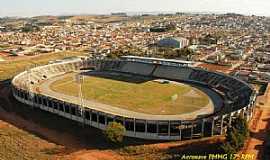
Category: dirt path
[259,128]
[93,155]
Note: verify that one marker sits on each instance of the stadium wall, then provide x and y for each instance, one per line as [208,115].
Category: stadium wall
[211,125]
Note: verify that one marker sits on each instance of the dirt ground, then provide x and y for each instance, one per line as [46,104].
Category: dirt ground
[66,140]
[70,146]
[94,155]
[259,126]
[214,67]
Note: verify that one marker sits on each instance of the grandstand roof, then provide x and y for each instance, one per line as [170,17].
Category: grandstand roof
[159,59]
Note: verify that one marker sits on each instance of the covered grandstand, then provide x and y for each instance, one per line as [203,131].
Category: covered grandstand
[238,96]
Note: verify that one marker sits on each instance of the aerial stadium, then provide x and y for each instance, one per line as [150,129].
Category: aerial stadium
[155,99]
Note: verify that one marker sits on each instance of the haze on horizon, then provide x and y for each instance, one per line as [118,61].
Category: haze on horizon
[25,8]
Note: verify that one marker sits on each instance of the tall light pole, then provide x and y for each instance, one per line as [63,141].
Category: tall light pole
[79,80]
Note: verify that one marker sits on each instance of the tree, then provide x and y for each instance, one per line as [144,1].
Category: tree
[231,137]
[228,149]
[112,56]
[236,135]
[185,52]
[241,125]
[209,39]
[115,132]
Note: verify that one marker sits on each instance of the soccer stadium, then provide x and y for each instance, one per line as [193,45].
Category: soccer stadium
[155,99]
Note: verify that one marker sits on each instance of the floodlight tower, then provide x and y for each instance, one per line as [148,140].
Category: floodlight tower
[79,80]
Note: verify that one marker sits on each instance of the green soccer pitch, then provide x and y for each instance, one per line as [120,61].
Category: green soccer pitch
[149,97]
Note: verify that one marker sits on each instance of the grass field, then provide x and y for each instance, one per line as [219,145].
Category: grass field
[8,69]
[148,97]
[15,143]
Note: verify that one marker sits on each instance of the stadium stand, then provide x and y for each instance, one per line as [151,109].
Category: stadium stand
[239,97]
[137,68]
[176,73]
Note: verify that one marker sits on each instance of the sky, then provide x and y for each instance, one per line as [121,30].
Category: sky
[65,7]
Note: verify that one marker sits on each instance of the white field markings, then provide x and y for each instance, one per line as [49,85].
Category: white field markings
[190,92]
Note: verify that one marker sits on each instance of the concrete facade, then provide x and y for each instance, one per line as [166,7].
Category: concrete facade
[139,128]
